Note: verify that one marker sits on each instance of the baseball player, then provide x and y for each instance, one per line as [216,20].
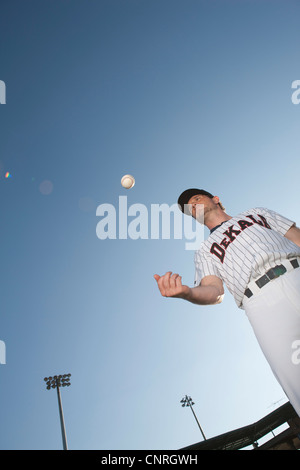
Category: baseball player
[256,254]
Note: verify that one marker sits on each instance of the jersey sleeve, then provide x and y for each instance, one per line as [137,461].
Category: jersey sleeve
[204,266]
[277,222]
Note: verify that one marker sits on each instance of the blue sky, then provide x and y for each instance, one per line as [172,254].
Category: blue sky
[180,94]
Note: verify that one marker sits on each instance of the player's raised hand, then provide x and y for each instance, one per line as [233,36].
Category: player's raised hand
[170,285]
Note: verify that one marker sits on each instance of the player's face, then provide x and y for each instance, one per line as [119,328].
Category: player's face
[209,204]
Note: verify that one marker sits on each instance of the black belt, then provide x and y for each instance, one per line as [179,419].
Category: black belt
[273,273]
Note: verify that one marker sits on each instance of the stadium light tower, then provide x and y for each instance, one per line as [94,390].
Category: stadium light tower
[187,401]
[58,381]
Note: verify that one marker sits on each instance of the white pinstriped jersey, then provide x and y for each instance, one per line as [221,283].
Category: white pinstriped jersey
[243,248]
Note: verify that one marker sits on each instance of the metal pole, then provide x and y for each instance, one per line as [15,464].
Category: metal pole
[190,404]
[62,422]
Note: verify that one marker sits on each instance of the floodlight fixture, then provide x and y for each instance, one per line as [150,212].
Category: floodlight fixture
[58,381]
[187,401]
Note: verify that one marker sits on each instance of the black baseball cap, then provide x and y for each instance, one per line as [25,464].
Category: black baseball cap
[186,196]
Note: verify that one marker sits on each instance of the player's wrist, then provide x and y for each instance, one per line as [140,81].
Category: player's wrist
[189,294]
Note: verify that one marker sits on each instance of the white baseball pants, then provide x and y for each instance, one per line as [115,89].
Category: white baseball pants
[274,313]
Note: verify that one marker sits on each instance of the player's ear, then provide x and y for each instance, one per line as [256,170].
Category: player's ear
[216,200]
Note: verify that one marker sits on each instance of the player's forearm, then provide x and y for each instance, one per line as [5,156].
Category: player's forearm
[293,234]
[204,295]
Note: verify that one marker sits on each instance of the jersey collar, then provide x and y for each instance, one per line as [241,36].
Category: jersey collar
[217,226]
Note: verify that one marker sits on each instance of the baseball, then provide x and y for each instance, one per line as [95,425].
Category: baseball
[127,181]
